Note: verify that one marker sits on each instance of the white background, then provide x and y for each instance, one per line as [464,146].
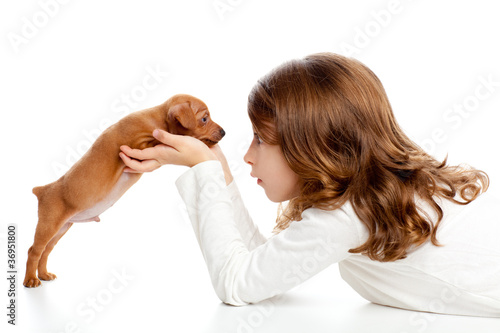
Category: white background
[67,70]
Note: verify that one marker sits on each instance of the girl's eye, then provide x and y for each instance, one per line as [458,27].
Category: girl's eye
[257,139]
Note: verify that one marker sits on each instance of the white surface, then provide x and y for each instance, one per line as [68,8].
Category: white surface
[72,77]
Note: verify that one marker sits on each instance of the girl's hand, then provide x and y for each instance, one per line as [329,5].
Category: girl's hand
[176,149]
[225,166]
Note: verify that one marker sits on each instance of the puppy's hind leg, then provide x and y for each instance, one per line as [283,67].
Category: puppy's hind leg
[43,274]
[50,220]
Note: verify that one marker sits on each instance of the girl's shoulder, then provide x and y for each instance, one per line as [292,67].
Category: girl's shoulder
[476,224]
[342,224]
[484,206]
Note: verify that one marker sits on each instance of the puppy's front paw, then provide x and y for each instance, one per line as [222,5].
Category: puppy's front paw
[32,282]
[46,276]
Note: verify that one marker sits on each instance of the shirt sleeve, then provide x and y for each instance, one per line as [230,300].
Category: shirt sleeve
[249,232]
[243,266]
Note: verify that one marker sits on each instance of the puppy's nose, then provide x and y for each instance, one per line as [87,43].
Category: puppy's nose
[222,133]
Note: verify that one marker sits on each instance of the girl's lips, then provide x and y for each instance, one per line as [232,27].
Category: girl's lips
[258,179]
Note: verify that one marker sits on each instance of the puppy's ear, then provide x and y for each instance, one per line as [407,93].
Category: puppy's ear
[183,114]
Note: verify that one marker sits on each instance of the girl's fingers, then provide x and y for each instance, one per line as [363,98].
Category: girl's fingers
[148,166]
[144,154]
[130,163]
[165,137]
[175,149]
[129,170]
[135,166]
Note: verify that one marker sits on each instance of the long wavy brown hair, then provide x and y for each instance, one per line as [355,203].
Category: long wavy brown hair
[332,119]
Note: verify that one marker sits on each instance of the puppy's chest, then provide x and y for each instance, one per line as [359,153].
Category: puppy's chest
[91,214]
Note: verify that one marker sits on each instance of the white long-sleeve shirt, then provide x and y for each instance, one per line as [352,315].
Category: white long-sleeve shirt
[460,277]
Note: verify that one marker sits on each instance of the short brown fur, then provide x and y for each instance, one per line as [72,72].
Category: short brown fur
[93,178]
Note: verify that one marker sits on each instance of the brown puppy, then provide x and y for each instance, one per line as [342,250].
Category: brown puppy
[97,180]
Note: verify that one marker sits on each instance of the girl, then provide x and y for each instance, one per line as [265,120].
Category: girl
[407,231]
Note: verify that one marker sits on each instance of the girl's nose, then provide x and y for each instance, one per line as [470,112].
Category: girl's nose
[248,156]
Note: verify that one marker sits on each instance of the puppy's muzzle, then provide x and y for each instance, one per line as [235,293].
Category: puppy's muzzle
[214,138]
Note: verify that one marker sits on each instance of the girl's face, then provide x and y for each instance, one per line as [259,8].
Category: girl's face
[272,171]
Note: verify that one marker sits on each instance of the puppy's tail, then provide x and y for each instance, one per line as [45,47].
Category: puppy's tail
[38,191]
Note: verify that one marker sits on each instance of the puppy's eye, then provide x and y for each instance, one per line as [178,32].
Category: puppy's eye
[204,119]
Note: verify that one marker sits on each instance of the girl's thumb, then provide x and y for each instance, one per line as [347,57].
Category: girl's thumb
[162,136]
